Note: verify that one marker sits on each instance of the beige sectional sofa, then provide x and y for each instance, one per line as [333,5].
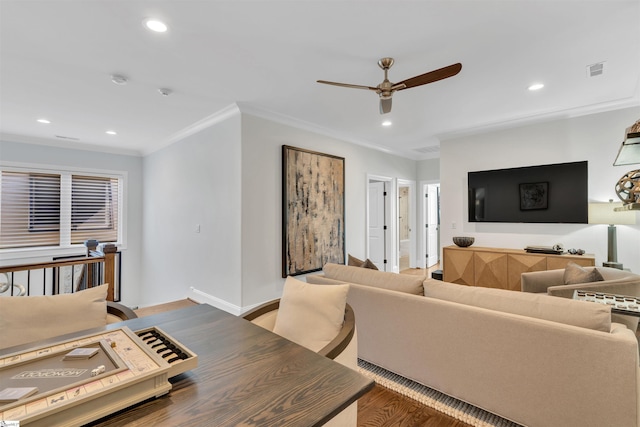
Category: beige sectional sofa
[536,360]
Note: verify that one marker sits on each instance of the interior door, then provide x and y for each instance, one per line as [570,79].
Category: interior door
[377,231]
[433,225]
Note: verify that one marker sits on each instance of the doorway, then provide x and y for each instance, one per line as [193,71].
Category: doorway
[431,221]
[406,225]
[380,229]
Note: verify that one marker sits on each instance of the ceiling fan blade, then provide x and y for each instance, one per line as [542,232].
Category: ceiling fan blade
[431,76]
[347,85]
[385,105]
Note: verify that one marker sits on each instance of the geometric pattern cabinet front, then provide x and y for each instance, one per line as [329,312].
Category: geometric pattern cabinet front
[500,268]
[457,266]
[518,264]
[490,269]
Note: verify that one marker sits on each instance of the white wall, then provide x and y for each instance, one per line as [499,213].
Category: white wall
[227,178]
[595,138]
[196,181]
[428,170]
[21,152]
[262,142]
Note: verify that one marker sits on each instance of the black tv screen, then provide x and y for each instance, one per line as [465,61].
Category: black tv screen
[554,193]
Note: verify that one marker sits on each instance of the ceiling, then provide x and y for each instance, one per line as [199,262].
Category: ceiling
[57,58]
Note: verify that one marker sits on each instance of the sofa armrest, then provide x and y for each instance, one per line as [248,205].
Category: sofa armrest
[537,282]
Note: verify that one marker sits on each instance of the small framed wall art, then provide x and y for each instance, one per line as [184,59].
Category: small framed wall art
[534,196]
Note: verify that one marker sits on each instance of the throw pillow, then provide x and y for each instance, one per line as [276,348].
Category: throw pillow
[26,319]
[369,264]
[575,274]
[311,315]
[355,262]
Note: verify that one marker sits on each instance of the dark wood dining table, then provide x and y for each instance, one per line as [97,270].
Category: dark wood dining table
[246,376]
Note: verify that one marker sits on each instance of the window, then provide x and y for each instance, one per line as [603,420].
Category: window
[94,209]
[58,209]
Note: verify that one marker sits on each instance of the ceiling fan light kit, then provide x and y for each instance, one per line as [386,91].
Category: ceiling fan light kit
[386,89]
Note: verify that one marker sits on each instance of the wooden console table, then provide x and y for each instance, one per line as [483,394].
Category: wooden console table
[500,268]
[245,376]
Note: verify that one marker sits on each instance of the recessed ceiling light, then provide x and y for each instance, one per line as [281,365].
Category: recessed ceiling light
[111,132]
[536,86]
[119,79]
[155,25]
[45,121]
[387,123]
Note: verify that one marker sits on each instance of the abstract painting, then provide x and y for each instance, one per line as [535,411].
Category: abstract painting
[312,210]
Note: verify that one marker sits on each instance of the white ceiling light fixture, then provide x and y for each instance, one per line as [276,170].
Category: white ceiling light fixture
[387,123]
[44,121]
[155,25]
[111,132]
[119,79]
[535,86]
[164,91]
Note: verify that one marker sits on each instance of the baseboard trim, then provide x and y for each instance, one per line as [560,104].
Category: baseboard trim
[205,298]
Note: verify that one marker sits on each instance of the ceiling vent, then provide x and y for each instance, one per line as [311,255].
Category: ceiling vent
[596,69]
[428,150]
[70,138]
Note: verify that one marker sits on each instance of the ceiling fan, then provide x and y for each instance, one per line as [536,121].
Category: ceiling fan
[386,89]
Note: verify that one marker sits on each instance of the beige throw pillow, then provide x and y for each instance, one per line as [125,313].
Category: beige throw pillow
[369,264]
[575,274]
[27,319]
[355,262]
[311,315]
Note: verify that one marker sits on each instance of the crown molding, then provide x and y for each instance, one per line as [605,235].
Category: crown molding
[532,119]
[286,120]
[217,117]
[72,145]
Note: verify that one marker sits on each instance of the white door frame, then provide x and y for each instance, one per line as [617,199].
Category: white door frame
[391,221]
[423,248]
[412,223]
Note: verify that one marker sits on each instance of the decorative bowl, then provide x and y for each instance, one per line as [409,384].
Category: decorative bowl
[463,242]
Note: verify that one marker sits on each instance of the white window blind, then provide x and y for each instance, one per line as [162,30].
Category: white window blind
[50,209]
[94,209]
[30,210]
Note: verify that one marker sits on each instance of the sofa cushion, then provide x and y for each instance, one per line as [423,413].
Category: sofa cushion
[33,318]
[311,315]
[539,306]
[574,273]
[379,279]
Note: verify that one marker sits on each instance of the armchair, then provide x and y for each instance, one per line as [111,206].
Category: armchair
[315,310]
[615,281]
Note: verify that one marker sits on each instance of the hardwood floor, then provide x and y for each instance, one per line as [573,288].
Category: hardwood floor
[385,408]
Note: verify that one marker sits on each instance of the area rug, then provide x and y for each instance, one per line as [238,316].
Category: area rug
[434,399]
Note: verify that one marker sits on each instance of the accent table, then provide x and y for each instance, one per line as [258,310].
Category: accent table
[620,304]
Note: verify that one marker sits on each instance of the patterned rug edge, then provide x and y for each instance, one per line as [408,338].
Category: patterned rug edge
[441,402]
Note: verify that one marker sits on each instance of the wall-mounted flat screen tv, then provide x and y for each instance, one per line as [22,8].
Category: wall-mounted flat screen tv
[554,193]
